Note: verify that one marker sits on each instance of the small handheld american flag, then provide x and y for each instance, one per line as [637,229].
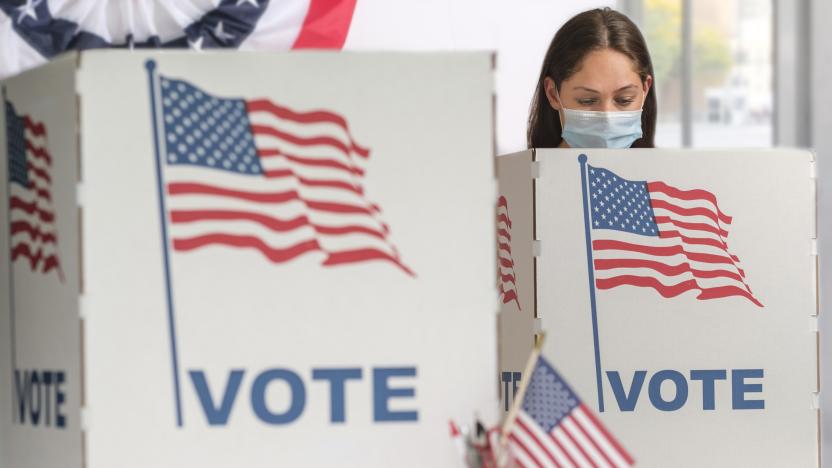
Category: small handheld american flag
[34,235]
[554,428]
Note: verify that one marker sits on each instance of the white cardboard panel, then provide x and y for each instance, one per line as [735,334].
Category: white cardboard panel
[769,195]
[44,340]
[516,318]
[427,120]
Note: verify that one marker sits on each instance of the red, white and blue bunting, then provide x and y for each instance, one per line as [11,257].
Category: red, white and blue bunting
[34,31]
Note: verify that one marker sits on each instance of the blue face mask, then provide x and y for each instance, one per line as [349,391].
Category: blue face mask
[596,129]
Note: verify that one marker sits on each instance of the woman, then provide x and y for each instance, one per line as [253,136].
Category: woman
[596,86]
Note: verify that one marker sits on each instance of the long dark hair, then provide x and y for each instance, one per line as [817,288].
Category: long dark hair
[584,33]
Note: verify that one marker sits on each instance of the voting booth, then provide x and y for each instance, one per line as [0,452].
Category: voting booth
[231,259]
[677,291]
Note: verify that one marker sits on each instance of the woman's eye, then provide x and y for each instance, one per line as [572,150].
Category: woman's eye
[587,102]
[624,102]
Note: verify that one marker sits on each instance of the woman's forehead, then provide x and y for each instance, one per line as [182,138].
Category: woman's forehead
[604,70]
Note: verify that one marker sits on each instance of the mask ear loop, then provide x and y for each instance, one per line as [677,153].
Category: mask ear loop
[643,101]
[561,110]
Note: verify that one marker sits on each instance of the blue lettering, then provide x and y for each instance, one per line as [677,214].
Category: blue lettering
[34,409]
[626,400]
[515,378]
[47,383]
[60,399]
[680,383]
[34,393]
[23,389]
[218,403]
[708,378]
[382,393]
[506,379]
[258,396]
[739,388]
[217,415]
[337,378]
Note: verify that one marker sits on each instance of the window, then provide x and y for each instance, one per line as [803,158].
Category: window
[714,70]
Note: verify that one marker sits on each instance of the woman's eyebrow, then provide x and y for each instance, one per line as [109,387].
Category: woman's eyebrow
[598,92]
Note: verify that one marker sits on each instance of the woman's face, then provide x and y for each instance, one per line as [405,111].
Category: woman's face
[606,81]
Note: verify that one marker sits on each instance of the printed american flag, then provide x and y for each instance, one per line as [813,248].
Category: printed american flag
[253,174]
[554,428]
[34,236]
[654,235]
[505,268]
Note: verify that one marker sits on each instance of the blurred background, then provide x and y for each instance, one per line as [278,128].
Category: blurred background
[738,73]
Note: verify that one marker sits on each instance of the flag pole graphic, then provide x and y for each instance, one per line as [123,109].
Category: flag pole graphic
[12,331]
[150,65]
[591,271]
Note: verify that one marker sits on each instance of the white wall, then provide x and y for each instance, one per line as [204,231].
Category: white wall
[519,31]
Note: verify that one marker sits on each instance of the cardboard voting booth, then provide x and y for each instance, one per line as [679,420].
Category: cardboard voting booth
[231,259]
[677,290]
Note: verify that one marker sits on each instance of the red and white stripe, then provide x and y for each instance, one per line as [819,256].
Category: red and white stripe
[325,25]
[505,261]
[32,213]
[690,254]
[579,440]
[310,199]
[301,24]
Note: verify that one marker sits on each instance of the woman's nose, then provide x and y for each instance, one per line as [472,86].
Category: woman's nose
[608,105]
